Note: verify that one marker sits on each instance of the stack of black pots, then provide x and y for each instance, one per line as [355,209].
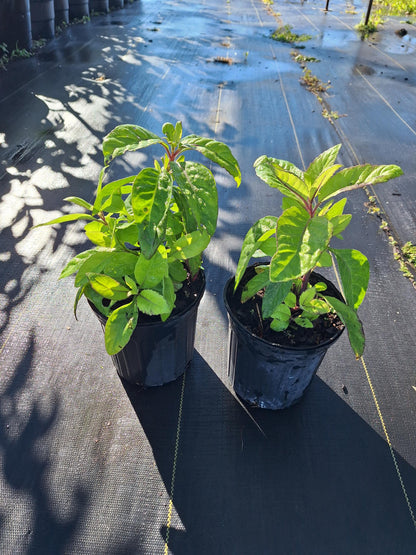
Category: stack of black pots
[24,20]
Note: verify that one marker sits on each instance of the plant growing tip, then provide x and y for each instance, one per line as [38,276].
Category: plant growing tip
[299,240]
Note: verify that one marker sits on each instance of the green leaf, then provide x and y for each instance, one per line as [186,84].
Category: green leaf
[168,293]
[190,245]
[66,218]
[255,284]
[80,292]
[151,197]
[276,176]
[173,134]
[151,302]
[215,151]
[303,322]
[354,327]
[279,325]
[355,177]
[101,234]
[120,186]
[198,186]
[354,270]
[176,271]
[80,202]
[281,312]
[290,299]
[149,272]
[274,296]
[330,210]
[75,263]
[93,263]
[127,233]
[254,239]
[300,243]
[267,248]
[131,284]
[119,327]
[127,138]
[323,178]
[307,296]
[108,287]
[339,223]
[325,260]
[322,162]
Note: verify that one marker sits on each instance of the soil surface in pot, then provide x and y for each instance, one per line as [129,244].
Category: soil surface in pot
[190,290]
[249,314]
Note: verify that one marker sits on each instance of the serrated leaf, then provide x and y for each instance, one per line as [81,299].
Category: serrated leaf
[151,302]
[119,327]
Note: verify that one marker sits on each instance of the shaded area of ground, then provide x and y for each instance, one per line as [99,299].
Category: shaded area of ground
[87,461]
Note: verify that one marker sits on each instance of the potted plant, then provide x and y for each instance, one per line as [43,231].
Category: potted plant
[283,315]
[143,277]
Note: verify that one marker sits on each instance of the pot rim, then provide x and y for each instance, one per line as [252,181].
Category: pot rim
[195,301]
[237,322]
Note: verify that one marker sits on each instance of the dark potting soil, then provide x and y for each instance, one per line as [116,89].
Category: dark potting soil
[324,328]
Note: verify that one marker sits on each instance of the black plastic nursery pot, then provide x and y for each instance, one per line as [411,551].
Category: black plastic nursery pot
[43,19]
[61,11]
[100,6]
[78,9]
[266,374]
[15,24]
[159,352]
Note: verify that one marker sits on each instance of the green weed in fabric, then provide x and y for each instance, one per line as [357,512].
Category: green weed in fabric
[285,34]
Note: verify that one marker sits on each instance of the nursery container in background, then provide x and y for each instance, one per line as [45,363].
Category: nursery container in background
[78,9]
[42,14]
[61,11]
[100,6]
[15,24]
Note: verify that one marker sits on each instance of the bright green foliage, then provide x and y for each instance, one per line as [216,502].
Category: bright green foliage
[149,229]
[299,240]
